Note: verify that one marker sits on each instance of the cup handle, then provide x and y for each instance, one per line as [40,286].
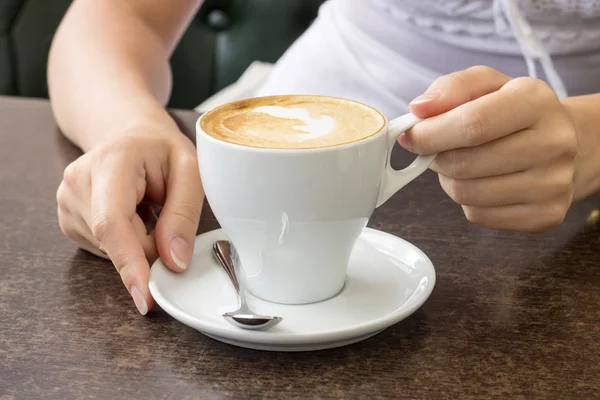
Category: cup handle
[395,180]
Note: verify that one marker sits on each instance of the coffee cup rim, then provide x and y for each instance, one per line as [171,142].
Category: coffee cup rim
[335,147]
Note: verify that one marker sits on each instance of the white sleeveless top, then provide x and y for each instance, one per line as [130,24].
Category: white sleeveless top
[563,26]
[386,52]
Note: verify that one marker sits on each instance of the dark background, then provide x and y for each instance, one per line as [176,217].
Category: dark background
[220,43]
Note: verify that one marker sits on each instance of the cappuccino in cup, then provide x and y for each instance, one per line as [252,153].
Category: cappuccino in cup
[293,181]
[292,122]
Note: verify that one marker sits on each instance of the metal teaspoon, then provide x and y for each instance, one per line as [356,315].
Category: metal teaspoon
[243,317]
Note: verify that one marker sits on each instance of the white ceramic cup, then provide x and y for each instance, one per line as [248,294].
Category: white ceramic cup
[294,215]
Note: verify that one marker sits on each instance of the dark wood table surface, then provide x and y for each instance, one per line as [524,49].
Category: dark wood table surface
[511,316]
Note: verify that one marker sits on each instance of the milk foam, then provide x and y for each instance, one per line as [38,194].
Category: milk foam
[292,122]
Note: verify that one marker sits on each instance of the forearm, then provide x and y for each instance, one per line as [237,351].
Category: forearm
[108,72]
[585,112]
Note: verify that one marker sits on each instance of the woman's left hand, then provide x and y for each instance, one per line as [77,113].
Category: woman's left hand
[506,148]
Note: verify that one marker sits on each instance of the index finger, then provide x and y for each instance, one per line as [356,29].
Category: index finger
[489,117]
[450,91]
[113,206]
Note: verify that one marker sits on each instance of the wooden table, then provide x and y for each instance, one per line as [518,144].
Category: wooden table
[511,315]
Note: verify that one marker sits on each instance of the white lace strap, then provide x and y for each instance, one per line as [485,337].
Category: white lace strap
[531,47]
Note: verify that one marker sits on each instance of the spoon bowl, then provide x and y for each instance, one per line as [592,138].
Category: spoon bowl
[251,321]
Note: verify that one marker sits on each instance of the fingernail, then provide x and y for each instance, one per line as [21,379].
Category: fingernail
[179,252]
[139,301]
[429,95]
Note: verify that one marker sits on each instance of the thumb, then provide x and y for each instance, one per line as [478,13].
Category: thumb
[457,88]
[178,222]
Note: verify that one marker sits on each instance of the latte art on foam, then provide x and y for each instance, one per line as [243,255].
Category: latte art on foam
[292,122]
[312,128]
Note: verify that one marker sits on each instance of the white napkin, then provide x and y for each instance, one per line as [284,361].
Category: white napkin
[245,87]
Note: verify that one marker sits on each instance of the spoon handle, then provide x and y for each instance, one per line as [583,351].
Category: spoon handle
[237,268]
[222,252]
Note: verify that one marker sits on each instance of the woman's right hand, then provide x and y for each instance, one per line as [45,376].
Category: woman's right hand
[101,191]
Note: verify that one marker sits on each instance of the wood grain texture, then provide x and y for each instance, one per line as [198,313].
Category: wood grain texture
[512,315]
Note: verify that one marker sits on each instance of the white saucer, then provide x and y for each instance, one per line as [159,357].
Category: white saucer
[388,279]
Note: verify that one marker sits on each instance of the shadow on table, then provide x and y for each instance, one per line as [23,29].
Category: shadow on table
[354,365]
